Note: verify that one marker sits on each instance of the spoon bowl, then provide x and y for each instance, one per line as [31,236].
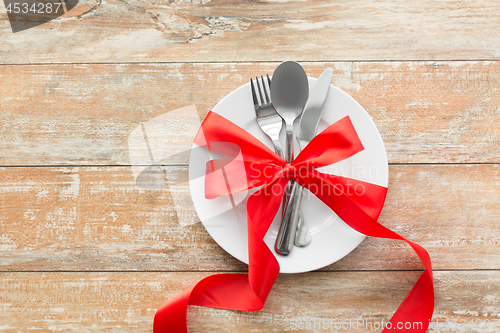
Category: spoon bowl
[289,94]
[289,90]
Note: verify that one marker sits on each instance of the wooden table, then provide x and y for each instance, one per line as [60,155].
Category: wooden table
[84,249]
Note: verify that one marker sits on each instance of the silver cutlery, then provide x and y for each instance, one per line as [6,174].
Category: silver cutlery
[268,119]
[271,123]
[307,129]
[289,93]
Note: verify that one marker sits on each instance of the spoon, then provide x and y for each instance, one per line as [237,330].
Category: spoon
[289,93]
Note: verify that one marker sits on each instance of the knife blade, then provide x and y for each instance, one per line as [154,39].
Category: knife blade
[311,115]
[308,126]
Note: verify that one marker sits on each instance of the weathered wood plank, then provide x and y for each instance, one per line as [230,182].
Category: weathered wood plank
[83,114]
[97,218]
[126,302]
[219,30]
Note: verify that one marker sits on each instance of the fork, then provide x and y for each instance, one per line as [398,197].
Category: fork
[271,123]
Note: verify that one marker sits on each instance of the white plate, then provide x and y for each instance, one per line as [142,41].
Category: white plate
[225,217]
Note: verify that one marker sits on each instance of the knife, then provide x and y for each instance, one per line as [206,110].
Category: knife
[308,125]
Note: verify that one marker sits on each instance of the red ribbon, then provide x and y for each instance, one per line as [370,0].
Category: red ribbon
[263,168]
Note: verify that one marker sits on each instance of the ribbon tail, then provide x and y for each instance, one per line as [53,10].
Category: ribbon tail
[244,292]
[262,207]
[418,306]
[171,316]
[415,312]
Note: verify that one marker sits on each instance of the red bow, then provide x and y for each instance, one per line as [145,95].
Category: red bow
[263,168]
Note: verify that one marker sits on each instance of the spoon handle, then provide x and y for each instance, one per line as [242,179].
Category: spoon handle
[286,235]
[289,143]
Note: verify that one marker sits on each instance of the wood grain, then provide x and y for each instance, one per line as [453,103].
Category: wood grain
[126,302]
[248,31]
[427,112]
[97,218]
[84,248]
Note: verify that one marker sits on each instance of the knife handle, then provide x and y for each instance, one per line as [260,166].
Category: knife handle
[286,234]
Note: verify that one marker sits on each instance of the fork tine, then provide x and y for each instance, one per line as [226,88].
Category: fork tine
[266,90]
[254,95]
[261,93]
